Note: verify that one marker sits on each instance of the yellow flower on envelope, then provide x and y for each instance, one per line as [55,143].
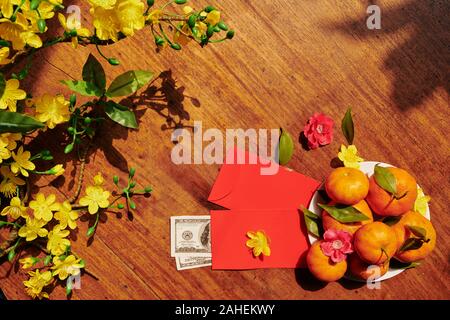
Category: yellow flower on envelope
[259,243]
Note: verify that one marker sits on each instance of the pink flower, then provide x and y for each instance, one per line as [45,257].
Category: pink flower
[319,130]
[336,244]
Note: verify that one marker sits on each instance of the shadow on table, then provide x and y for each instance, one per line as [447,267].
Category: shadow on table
[351,284]
[167,100]
[420,64]
[307,281]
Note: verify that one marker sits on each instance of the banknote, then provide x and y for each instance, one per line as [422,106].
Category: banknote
[184,263]
[190,236]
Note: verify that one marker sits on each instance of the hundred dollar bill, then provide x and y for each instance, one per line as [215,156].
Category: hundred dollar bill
[184,263]
[190,236]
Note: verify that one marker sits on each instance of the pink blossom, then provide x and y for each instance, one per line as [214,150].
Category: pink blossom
[319,130]
[336,244]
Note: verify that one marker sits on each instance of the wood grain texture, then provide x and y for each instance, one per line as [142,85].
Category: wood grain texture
[290,58]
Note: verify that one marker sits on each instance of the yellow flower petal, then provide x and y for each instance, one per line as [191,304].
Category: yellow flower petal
[4,54]
[62,20]
[421,202]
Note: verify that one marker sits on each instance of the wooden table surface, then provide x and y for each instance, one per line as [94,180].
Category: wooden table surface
[289,59]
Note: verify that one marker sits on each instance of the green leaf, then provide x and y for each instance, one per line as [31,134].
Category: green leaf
[418,232]
[312,222]
[124,117]
[411,244]
[285,147]
[128,83]
[385,179]
[94,73]
[390,221]
[17,122]
[2,84]
[344,214]
[84,88]
[347,126]
[395,264]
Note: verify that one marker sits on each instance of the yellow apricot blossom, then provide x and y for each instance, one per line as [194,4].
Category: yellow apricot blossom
[106,23]
[8,186]
[43,207]
[52,110]
[259,243]
[69,266]
[57,243]
[15,210]
[130,14]
[36,283]
[66,216]
[32,229]
[11,95]
[11,139]
[22,162]
[4,54]
[96,197]
[349,156]
[70,25]
[19,33]
[421,203]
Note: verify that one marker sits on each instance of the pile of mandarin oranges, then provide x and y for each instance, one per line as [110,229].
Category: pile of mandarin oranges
[373,243]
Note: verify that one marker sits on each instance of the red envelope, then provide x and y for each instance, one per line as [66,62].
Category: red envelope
[242,186]
[286,231]
[259,202]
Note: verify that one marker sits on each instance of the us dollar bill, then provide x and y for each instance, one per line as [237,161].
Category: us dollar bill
[190,236]
[184,263]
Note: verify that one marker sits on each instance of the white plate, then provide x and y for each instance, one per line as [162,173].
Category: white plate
[368,168]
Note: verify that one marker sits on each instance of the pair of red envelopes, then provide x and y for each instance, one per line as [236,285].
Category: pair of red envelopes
[259,202]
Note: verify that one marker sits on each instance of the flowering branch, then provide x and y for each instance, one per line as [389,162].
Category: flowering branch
[41,220]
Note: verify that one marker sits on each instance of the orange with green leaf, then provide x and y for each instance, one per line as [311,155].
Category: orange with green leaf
[330,221]
[416,237]
[392,191]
